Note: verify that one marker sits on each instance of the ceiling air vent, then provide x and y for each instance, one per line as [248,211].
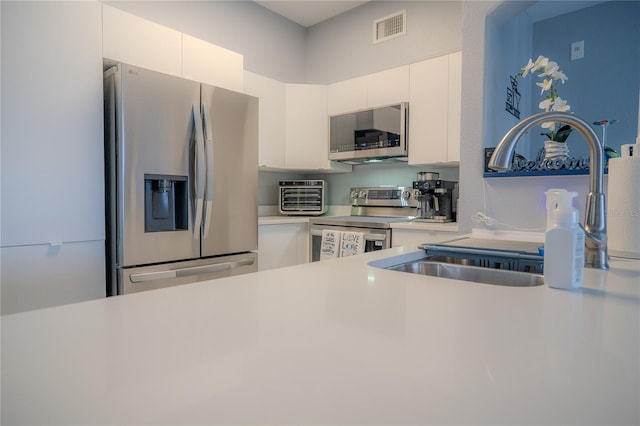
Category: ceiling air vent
[389,27]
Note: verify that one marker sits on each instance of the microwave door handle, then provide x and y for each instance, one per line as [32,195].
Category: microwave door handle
[200,177]
[208,193]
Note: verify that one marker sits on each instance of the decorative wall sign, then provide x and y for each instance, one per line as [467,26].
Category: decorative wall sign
[540,164]
[513,98]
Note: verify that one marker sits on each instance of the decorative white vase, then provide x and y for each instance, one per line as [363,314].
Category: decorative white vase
[555,150]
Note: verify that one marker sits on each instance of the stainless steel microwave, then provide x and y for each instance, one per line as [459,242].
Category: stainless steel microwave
[378,133]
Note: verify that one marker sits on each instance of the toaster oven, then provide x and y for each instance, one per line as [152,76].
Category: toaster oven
[302,197]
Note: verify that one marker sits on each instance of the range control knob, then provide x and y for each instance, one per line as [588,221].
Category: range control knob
[363,194]
[354,195]
[416,193]
[406,195]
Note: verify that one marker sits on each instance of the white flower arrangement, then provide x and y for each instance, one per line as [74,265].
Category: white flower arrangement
[550,72]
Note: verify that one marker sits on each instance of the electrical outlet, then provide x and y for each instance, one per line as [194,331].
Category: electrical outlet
[577,50]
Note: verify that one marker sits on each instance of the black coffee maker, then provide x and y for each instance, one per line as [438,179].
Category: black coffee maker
[438,198]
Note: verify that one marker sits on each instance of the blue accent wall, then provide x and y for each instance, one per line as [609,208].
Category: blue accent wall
[605,84]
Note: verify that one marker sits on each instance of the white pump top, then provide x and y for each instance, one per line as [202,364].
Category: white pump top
[560,209]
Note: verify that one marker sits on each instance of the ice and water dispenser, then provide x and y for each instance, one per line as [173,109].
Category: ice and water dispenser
[166,203]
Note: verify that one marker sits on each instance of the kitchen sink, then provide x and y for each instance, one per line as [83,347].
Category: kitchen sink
[506,263]
[458,271]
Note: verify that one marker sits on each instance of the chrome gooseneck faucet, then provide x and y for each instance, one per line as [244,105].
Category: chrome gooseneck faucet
[595,229]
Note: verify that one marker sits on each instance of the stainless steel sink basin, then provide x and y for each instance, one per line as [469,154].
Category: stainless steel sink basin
[469,273]
[498,262]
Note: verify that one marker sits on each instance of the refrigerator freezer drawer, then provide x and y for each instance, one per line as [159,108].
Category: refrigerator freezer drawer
[133,280]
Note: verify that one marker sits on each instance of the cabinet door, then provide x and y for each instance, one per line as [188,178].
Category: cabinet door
[282,245]
[388,87]
[136,41]
[455,105]
[271,134]
[306,127]
[207,63]
[67,273]
[428,111]
[347,96]
[52,183]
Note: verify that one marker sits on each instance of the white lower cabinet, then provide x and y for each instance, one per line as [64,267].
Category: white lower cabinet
[283,244]
[413,238]
[41,276]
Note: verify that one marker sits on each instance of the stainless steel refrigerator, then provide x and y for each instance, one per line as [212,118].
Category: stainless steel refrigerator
[182,174]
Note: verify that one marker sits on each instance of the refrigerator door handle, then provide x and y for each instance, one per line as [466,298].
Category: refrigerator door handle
[188,272]
[208,192]
[200,172]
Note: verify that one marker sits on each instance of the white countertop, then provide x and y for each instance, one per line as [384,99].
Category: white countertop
[411,226]
[334,342]
[426,226]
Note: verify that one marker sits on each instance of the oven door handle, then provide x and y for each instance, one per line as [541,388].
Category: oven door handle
[367,237]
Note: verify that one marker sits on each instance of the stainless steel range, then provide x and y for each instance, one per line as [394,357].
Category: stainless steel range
[373,210]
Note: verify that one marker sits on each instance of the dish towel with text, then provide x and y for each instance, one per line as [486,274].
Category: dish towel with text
[330,246]
[351,244]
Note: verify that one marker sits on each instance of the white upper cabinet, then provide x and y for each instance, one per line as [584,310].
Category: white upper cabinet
[388,87]
[211,64]
[136,41]
[271,132]
[434,110]
[294,126]
[307,129]
[455,106]
[347,96]
[369,91]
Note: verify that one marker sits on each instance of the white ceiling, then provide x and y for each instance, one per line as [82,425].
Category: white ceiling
[309,12]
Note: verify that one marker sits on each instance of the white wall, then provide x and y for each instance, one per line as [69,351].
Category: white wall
[514,201]
[342,47]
